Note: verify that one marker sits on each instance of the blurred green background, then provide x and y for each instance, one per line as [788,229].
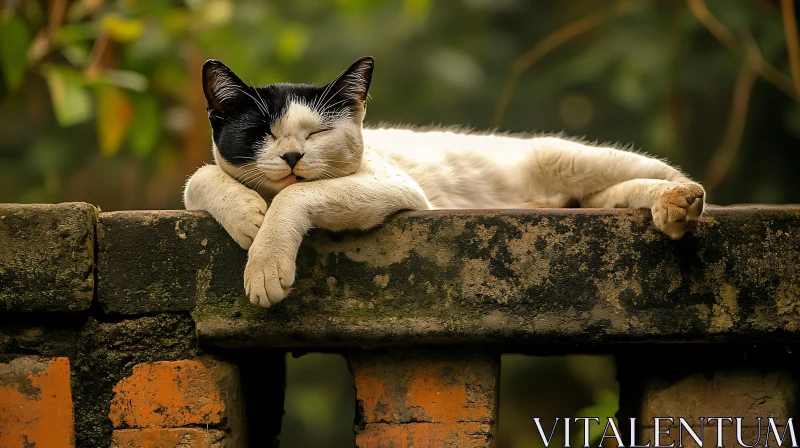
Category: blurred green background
[100,101]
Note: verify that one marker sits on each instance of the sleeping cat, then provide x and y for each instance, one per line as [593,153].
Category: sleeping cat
[302,149]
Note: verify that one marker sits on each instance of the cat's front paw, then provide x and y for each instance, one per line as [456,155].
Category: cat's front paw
[268,276]
[243,217]
[678,209]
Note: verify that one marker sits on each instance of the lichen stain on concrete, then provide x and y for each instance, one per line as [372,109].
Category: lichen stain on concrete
[178,231]
[381,280]
[371,247]
[36,403]
[725,312]
[203,281]
[494,320]
[610,288]
[566,322]
[787,301]
[481,235]
[477,282]
[703,312]
[530,264]
[331,282]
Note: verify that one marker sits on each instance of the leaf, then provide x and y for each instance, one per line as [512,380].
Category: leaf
[74,33]
[71,101]
[146,128]
[122,29]
[14,41]
[291,43]
[114,116]
[605,406]
[417,8]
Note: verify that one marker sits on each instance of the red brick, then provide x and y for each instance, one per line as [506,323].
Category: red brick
[36,403]
[168,394]
[167,438]
[419,398]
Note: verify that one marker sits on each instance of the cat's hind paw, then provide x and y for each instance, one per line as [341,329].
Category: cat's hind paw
[678,209]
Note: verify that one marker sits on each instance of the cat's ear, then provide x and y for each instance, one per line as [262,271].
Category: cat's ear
[220,85]
[354,82]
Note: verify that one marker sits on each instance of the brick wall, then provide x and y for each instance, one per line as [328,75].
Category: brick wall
[130,329]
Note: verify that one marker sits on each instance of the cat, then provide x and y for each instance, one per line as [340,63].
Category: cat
[302,148]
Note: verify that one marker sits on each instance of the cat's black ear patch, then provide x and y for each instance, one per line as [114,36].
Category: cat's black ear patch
[354,82]
[220,85]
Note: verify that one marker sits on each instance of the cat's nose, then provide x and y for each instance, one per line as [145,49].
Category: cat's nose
[292,158]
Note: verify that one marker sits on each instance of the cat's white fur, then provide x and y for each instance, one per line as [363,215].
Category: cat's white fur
[356,178]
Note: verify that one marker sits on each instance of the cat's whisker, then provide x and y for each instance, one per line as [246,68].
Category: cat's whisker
[329,175]
[263,112]
[328,87]
[328,166]
[250,180]
[260,182]
[253,179]
[325,105]
[248,177]
[249,167]
[264,103]
[248,170]
[250,174]
[327,161]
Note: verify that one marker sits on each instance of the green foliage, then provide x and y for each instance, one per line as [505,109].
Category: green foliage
[121,79]
[605,406]
[14,41]
[72,102]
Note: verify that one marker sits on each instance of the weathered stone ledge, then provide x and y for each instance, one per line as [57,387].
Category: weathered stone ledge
[513,276]
[531,276]
[47,257]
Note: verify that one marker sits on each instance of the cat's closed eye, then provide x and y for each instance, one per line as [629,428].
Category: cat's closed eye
[320,131]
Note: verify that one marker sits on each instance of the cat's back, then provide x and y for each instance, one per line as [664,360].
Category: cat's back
[436,143]
[457,168]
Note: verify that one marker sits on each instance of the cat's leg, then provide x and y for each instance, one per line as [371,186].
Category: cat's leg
[359,202]
[608,177]
[238,208]
[676,206]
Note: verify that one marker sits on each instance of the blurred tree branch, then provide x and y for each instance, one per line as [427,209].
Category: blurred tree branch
[42,44]
[753,66]
[762,67]
[790,28]
[542,48]
[723,157]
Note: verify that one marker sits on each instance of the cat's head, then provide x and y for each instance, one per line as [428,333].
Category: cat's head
[273,136]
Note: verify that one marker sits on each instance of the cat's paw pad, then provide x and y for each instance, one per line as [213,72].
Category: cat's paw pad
[678,209]
[268,278]
[243,217]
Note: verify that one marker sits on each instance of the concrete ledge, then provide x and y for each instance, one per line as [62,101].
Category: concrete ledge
[160,261]
[46,257]
[530,276]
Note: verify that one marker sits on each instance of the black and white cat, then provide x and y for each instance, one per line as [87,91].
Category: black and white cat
[302,149]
